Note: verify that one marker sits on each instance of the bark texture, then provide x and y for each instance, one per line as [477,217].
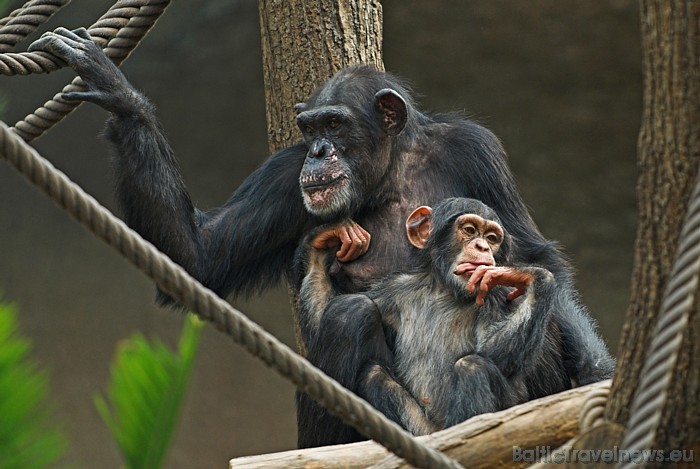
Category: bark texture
[669,154]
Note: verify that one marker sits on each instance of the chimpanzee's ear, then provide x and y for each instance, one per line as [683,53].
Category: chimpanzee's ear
[419,224]
[392,110]
[300,107]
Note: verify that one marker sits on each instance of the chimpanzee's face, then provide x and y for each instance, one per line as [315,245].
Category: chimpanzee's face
[476,240]
[328,184]
[347,125]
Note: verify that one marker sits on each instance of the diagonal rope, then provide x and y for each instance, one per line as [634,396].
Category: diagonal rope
[652,392]
[25,20]
[118,31]
[180,285]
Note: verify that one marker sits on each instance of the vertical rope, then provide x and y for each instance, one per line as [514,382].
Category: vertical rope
[652,393]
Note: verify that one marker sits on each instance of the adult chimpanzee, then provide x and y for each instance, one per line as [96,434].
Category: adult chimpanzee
[368,154]
[441,343]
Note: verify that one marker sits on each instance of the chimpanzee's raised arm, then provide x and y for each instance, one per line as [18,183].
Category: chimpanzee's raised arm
[240,247]
[348,241]
[250,241]
[369,154]
[514,341]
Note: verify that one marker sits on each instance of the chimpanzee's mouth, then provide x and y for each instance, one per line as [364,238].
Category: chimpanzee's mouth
[320,193]
[324,196]
[312,183]
[469,267]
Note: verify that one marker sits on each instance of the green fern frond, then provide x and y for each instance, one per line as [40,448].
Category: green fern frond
[27,438]
[145,394]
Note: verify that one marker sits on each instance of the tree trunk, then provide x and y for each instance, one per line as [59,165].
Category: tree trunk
[303,44]
[669,155]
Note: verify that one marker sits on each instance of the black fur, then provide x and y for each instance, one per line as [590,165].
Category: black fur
[393,163]
[449,358]
[350,336]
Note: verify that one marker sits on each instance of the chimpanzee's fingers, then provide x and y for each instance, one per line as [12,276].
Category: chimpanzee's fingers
[475,278]
[353,240]
[82,33]
[325,239]
[69,35]
[345,243]
[487,283]
[355,246]
[515,293]
[98,72]
[364,234]
[365,239]
[66,36]
[59,46]
[42,44]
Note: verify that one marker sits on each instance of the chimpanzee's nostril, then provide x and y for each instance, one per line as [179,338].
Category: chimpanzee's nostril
[319,148]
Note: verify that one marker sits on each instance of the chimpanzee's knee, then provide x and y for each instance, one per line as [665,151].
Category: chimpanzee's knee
[478,386]
[350,335]
[351,318]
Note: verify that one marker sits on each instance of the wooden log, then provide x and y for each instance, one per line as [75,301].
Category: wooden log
[484,441]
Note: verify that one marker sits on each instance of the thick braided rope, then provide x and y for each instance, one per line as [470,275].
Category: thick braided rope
[652,392]
[120,29]
[24,21]
[180,285]
[593,408]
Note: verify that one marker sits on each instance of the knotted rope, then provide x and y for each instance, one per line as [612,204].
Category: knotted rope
[23,21]
[119,31]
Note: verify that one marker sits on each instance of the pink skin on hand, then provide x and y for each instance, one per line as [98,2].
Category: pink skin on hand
[351,237]
[485,277]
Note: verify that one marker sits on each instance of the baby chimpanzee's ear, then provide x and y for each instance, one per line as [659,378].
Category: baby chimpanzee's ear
[419,225]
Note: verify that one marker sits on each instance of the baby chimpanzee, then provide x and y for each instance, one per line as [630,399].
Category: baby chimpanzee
[463,334]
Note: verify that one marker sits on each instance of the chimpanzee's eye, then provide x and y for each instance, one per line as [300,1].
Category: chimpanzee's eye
[493,238]
[308,129]
[470,229]
[334,124]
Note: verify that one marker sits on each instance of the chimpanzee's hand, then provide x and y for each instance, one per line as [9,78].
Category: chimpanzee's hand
[485,277]
[352,238]
[107,85]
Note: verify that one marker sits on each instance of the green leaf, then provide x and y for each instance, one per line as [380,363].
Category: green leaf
[145,395]
[28,439]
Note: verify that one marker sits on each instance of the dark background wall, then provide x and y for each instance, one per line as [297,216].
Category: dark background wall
[558,81]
